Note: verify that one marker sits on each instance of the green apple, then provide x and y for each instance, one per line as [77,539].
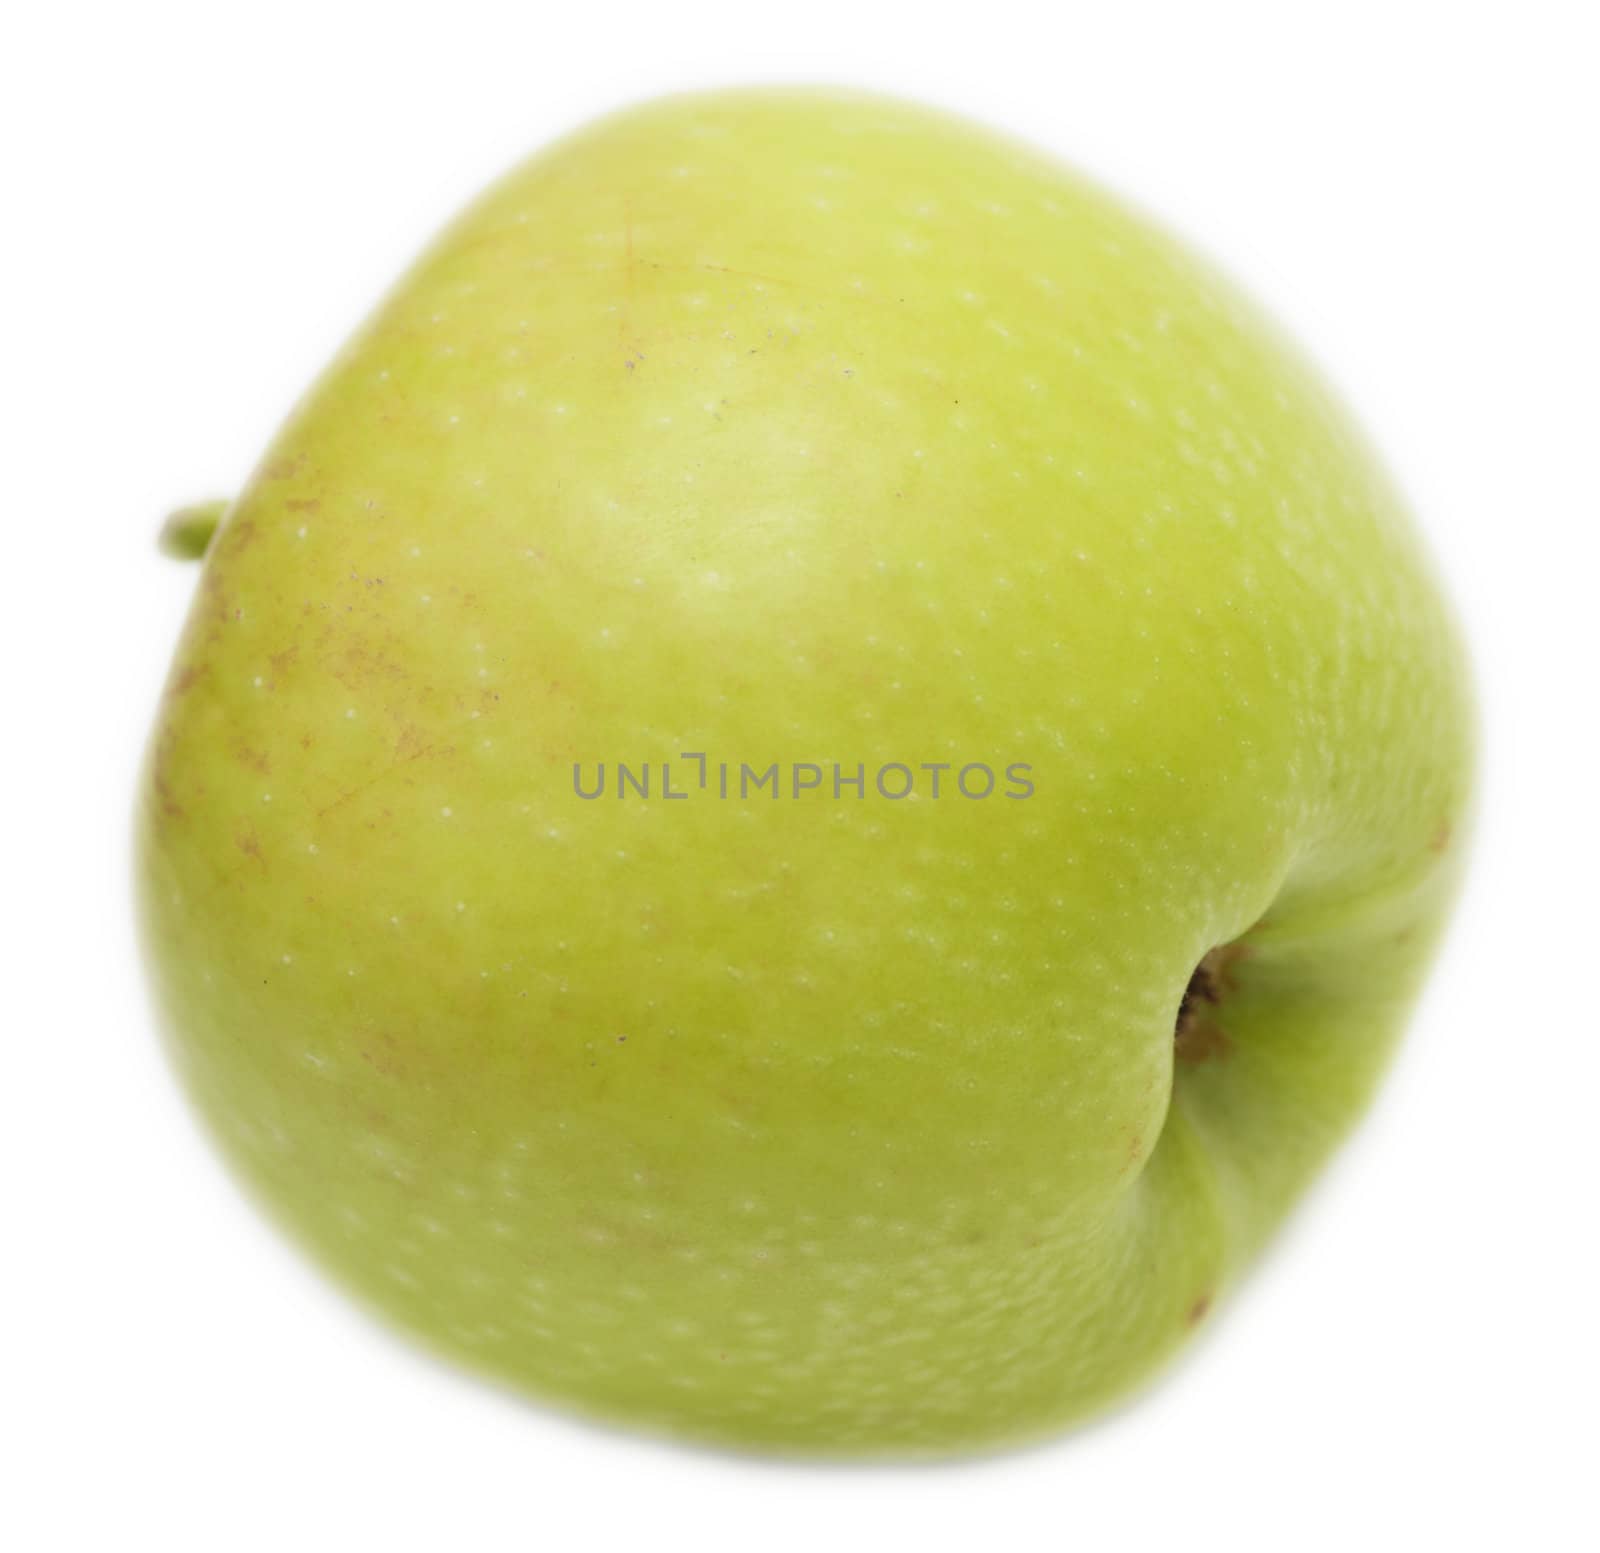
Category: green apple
[1056,749]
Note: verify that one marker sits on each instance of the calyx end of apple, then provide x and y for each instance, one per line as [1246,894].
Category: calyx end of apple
[1198,1033]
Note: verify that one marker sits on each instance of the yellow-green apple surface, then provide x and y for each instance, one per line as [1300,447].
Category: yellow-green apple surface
[1056,754]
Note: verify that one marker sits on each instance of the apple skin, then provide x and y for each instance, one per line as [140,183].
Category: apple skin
[802,426]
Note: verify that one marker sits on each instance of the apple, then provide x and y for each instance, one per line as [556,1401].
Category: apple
[806,790]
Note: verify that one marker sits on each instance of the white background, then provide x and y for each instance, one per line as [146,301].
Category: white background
[202,199]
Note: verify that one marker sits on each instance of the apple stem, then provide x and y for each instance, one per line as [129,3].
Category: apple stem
[187,533]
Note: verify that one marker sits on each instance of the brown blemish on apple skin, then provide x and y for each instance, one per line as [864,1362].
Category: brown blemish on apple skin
[383,1055]
[184,680]
[161,755]
[238,536]
[170,807]
[357,666]
[404,757]
[1439,841]
[410,743]
[1197,1311]
[248,843]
